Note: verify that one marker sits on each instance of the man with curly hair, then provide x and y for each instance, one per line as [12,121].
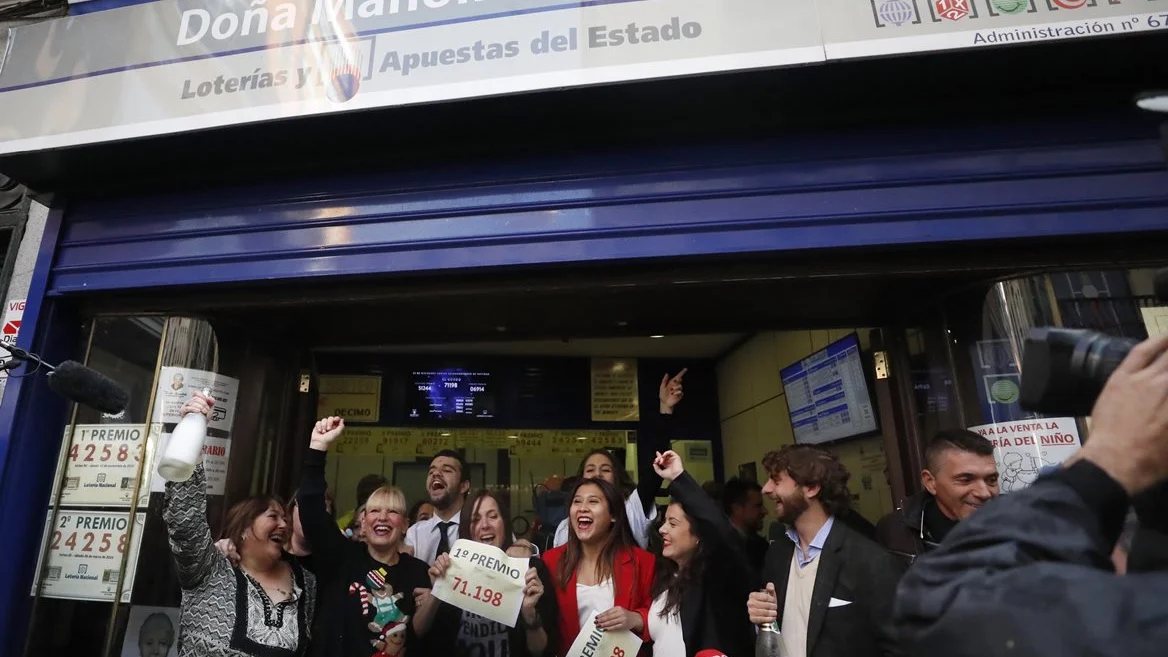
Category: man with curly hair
[829,588]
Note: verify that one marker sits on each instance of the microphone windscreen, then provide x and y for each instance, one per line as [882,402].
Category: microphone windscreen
[91,388]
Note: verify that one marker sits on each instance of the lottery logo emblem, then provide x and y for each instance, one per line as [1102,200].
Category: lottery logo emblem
[1010,6]
[1069,4]
[343,79]
[953,10]
[896,12]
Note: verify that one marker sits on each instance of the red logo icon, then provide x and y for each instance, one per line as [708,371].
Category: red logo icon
[11,327]
[955,10]
[1070,4]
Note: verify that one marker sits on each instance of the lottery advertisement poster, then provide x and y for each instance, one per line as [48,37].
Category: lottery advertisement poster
[101,463]
[84,556]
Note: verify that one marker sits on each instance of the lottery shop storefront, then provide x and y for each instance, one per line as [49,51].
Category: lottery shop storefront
[307,196]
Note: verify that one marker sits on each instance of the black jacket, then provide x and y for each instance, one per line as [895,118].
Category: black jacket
[1030,574]
[726,583]
[853,569]
[904,532]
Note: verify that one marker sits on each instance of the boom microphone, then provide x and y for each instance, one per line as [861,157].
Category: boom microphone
[77,382]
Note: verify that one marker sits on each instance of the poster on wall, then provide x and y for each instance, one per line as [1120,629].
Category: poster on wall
[352,398]
[84,556]
[216,456]
[614,390]
[100,463]
[1022,449]
[151,632]
[177,384]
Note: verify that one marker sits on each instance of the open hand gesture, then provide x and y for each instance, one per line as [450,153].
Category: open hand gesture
[670,393]
[668,465]
[326,432]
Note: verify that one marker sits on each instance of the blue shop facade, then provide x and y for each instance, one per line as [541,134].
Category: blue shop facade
[926,196]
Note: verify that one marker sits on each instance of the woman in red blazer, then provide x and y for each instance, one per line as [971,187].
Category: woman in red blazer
[600,569]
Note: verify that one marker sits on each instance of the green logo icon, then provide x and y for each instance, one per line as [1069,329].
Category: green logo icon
[1011,6]
[1004,391]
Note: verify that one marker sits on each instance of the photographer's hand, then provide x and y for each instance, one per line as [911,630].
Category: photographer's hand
[1129,432]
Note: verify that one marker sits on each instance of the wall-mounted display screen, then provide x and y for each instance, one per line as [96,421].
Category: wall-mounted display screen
[827,394]
[450,393]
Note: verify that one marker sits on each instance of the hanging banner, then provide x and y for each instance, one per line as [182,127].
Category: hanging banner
[615,397]
[483,580]
[84,558]
[410,443]
[181,65]
[178,384]
[101,463]
[1022,449]
[352,398]
[594,642]
[872,28]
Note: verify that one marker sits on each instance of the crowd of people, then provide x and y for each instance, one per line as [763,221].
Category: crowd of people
[693,578]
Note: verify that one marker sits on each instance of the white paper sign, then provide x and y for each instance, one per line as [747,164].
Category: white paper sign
[151,632]
[1025,447]
[483,580]
[216,456]
[178,384]
[100,465]
[84,558]
[594,642]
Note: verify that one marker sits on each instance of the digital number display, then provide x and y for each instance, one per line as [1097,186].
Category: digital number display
[450,394]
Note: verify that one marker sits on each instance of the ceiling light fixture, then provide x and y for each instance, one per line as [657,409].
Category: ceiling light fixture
[656,337]
[1153,101]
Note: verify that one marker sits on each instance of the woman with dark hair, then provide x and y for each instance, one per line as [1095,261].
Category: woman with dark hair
[703,576]
[484,520]
[638,499]
[262,607]
[600,569]
[421,511]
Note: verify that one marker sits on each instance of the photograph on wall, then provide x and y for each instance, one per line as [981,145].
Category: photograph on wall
[151,632]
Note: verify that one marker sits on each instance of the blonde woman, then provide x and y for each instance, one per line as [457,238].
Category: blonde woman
[382,594]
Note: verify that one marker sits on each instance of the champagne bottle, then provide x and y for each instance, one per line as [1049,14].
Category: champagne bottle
[768,643]
[185,448]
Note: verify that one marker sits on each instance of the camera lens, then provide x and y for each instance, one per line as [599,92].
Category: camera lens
[1064,370]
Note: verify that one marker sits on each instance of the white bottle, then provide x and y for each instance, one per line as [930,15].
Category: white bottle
[184,451]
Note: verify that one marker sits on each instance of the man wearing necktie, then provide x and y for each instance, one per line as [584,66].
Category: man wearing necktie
[447,485]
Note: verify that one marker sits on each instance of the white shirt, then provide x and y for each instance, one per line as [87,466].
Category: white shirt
[594,599]
[666,633]
[638,522]
[423,537]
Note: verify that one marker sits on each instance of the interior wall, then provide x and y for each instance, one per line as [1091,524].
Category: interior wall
[753,411]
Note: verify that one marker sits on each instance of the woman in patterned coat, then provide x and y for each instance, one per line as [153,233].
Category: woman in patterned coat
[261,608]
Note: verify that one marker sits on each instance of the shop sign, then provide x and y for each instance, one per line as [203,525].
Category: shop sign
[1022,449]
[85,555]
[352,398]
[100,464]
[615,397]
[181,65]
[873,28]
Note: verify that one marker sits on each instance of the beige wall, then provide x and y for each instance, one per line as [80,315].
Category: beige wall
[755,420]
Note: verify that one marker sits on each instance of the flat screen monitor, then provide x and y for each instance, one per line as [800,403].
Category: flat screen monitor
[827,394]
[450,394]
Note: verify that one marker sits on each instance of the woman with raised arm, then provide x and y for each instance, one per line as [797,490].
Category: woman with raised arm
[385,606]
[638,499]
[261,608]
[537,633]
[703,577]
[600,569]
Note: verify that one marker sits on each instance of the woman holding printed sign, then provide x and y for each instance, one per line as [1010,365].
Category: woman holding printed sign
[386,609]
[639,499]
[262,606]
[704,576]
[537,632]
[600,570]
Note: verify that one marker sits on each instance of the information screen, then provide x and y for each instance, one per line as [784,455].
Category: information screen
[827,394]
[448,394]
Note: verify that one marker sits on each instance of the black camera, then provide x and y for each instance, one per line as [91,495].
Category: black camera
[1064,370]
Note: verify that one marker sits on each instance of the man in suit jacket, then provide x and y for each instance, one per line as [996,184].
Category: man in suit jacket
[830,589]
[742,503]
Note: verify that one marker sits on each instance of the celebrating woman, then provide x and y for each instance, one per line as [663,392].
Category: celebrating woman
[600,570]
[262,607]
[640,508]
[704,576]
[385,605]
[537,633]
